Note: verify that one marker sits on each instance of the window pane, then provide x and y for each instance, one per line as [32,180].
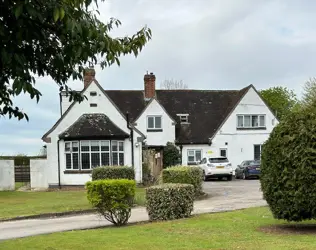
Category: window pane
[85,146]
[191,152]
[75,146]
[114,159]
[257,152]
[240,121]
[121,146]
[121,159]
[150,122]
[157,122]
[254,121]
[95,146]
[114,145]
[105,159]
[75,161]
[190,158]
[85,161]
[67,146]
[262,121]
[68,161]
[95,160]
[105,146]
[247,121]
[198,155]
[223,152]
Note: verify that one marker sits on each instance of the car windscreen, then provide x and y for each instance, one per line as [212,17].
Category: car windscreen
[254,163]
[218,160]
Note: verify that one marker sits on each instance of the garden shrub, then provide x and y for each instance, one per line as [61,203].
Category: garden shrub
[169,201]
[113,172]
[148,178]
[288,167]
[171,155]
[186,175]
[113,199]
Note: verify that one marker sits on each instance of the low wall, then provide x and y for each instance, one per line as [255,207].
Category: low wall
[39,173]
[7,181]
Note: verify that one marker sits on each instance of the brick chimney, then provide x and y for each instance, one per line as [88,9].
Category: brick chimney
[88,76]
[150,85]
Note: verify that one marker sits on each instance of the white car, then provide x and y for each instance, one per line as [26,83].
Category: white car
[216,167]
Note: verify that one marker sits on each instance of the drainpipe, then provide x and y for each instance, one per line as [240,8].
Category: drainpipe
[131,136]
[181,147]
[60,101]
[59,186]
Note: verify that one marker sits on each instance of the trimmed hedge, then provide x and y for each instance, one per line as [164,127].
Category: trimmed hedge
[288,167]
[185,175]
[112,198]
[169,201]
[113,172]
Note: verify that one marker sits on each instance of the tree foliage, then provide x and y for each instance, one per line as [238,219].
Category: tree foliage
[171,155]
[173,84]
[55,38]
[309,93]
[281,100]
[288,167]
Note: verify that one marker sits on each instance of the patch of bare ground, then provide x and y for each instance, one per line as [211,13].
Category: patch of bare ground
[295,229]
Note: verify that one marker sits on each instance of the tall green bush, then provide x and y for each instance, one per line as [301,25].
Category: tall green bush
[288,167]
[113,172]
[113,199]
[171,155]
[169,201]
[186,175]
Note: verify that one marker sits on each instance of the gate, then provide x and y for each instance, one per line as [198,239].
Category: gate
[22,173]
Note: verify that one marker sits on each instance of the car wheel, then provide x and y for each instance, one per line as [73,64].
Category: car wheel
[244,176]
[204,176]
[229,178]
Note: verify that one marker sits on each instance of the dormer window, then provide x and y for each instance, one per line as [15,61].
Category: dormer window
[184,118]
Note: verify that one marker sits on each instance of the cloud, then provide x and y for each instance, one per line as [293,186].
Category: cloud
[212,44]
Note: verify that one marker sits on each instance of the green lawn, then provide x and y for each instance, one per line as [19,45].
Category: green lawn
[15,203]
[233,230]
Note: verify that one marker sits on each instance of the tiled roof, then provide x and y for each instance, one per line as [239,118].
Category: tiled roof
[93,126]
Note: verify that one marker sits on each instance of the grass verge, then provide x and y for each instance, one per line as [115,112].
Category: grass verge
[230,230]
[15,203]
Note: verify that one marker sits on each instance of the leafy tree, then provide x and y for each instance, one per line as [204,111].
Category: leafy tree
[280,99]
[55,38]
[309,94]
[173,84]
[171,155]
[288,167]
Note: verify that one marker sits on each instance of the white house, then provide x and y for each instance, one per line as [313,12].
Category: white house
[113,126]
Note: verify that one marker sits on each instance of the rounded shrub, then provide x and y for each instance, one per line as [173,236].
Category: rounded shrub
[288,167]
[113,199]
[186,175]
[113,172]
[169,201]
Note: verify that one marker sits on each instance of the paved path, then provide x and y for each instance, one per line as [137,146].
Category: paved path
[226,196]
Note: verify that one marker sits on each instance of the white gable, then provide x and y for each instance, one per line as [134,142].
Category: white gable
[99,103]
[158,138]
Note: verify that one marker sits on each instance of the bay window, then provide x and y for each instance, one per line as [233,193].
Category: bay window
[92,154]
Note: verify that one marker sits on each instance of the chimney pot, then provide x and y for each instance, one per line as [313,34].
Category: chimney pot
[150,85]
[88,76]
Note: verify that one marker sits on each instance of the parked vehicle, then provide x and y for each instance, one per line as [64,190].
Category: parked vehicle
[248,169]
[216,167]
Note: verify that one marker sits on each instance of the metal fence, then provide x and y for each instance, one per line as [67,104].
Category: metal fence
[22,173]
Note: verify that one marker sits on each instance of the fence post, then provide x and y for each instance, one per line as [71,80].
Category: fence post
[7,180]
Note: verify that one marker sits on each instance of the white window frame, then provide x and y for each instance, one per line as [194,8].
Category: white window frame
[194,155]
[154,117]
[184,118]
[80,152]
[251,117]
[118,152]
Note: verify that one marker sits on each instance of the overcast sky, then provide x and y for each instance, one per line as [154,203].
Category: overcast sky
[209,44]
